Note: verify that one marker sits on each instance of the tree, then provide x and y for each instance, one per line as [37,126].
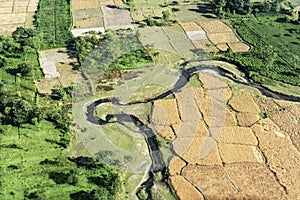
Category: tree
[17,112]
[58,92]
[24,68]
[3,61]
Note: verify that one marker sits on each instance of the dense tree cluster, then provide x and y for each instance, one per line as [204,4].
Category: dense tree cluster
[221,7]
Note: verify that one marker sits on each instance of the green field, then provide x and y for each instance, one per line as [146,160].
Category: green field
[275,49]
[53,23]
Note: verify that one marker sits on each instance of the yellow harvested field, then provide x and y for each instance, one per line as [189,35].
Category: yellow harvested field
[237,135]
[175,166]
[206,45]
[106,2]
[16,13]
[214,26]
[222,47]
[239,47]
[184,190]
[213,181]
[270,138]
[211,82]
[243,102]
[118,2]
[86,4]
[247,119]
[254,181]
[220,38]
[165,112]
[191,26]
[167,133]
[236,153]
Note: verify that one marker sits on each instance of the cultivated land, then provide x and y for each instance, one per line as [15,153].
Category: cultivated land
[16,13]
[219,138]
[219,160]
[58,69]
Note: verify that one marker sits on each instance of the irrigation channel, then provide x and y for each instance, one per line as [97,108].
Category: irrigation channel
[158,165]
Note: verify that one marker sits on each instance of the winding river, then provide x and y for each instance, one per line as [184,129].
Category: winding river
[158,165]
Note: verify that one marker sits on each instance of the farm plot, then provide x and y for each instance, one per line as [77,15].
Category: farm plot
[16,13]
[58,69]
[171,39]
[222,36]
[116,18]
[87,16]
[240,146]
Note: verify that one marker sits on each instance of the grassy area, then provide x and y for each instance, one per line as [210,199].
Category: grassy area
[53,23]
[33,166]
[275,49]
[35,129]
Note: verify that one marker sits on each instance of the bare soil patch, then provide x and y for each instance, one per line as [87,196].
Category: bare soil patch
[116,18]
[196,35]
[58,69]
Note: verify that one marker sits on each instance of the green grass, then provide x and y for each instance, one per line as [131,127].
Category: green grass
[53,23]
[276,46]
[22,171]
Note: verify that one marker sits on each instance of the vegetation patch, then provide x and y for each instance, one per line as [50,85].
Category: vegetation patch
[53,23]
[275,45]
[87,18]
